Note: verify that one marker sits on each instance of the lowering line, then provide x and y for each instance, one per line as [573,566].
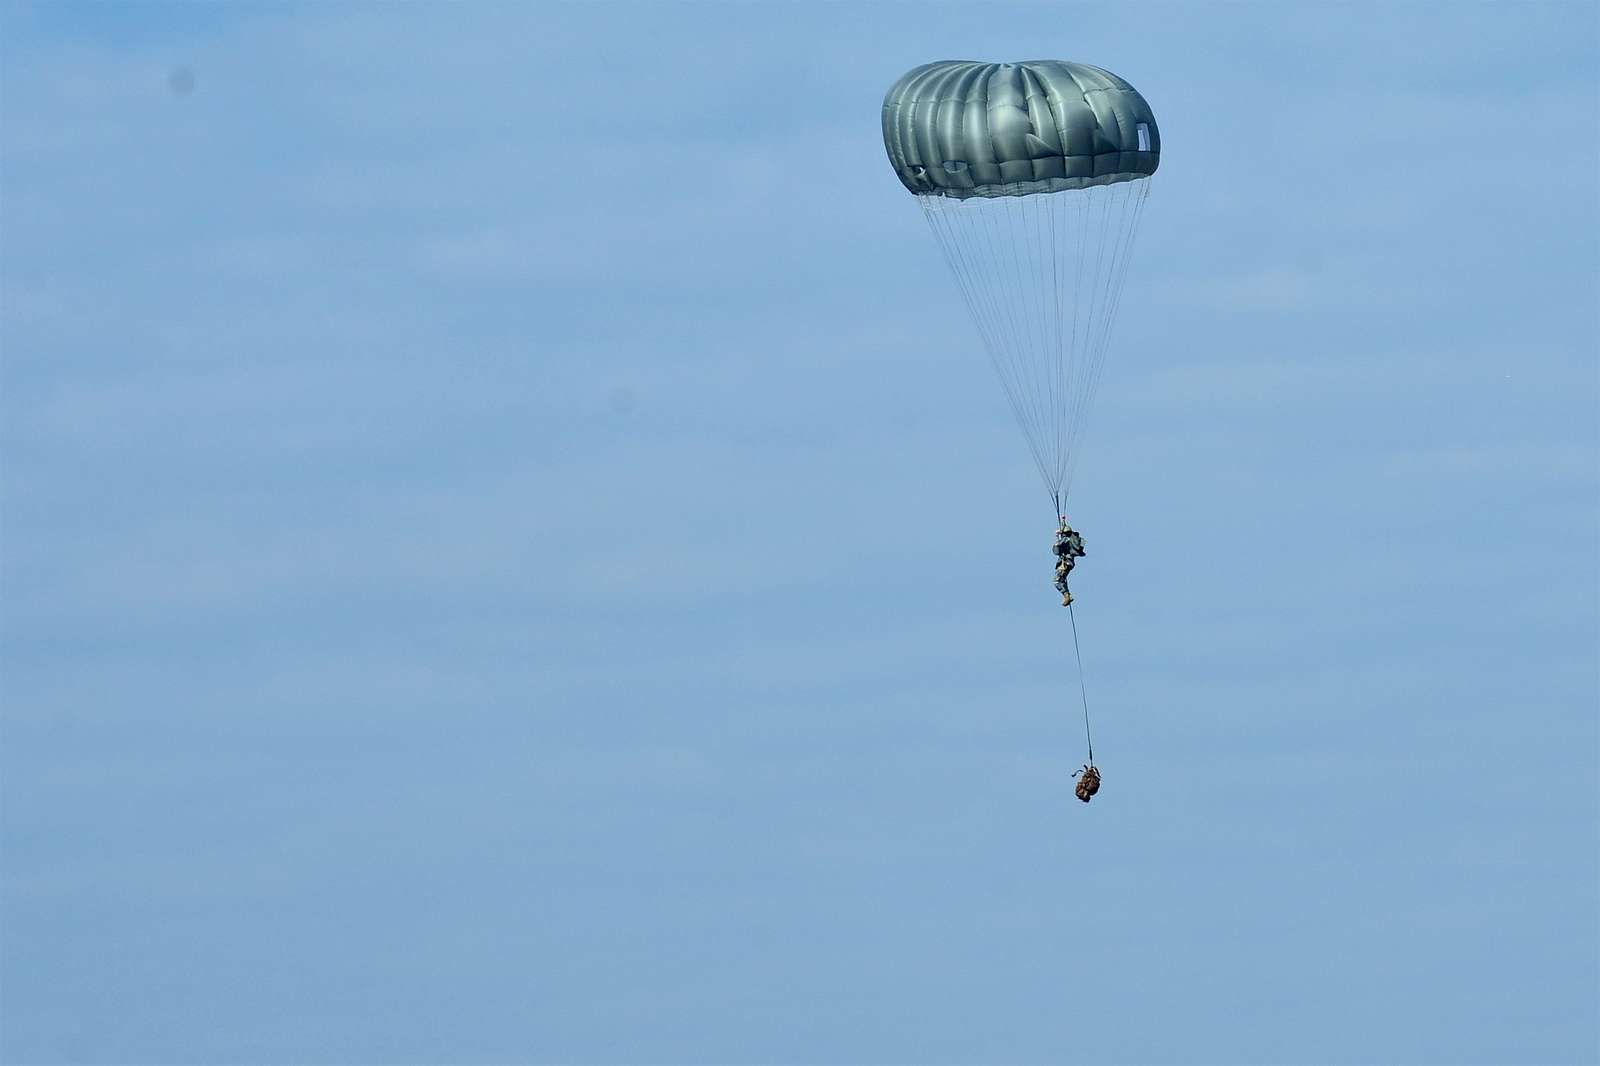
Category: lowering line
[1082,690]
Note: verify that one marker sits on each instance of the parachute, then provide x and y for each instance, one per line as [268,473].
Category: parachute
[1033,177]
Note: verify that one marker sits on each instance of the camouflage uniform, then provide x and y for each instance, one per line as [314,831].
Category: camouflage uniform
[1068,550]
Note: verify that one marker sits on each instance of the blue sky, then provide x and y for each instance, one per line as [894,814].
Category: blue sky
[476,590]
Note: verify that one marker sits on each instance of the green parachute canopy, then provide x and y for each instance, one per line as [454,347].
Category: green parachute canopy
[963,129]
[1033,177]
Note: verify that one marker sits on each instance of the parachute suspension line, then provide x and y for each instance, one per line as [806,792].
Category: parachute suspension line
[1058,389]
[1082,689]
[986,311]
[1041,246]
[1125,257]
[1107,219]
[1132,211]
[1077,299]
[1028,291]
[1013,291]
[1049,316]
[1042,316]
[1025,270]
[978,297]
[981,304]
[1044,213]
[1115,222]
[976,247]
[1048,346]
[1004,233]
[1081,366]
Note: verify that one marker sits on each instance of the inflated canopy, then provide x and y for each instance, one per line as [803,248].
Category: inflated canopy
[960,128]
